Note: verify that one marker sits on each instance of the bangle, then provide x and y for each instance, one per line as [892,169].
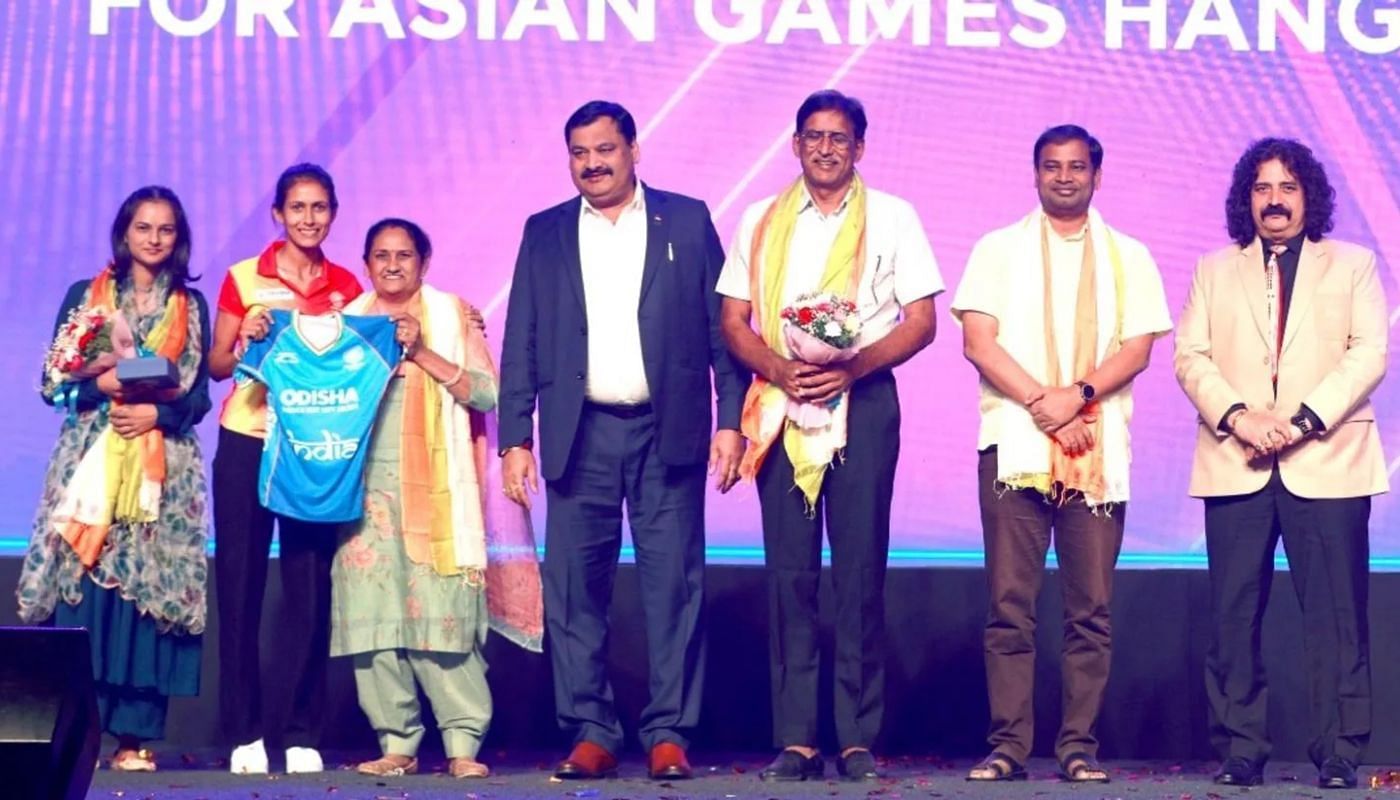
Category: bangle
[448,384]
[1230,420]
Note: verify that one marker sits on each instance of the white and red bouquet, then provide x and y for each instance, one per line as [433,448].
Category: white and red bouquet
[86,345]
[819,329]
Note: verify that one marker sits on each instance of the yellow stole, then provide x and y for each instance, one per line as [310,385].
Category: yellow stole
[764,415]
[431,533]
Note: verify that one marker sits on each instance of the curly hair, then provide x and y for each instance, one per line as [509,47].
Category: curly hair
[1319,197]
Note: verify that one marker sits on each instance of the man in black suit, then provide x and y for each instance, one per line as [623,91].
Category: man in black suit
[613,329]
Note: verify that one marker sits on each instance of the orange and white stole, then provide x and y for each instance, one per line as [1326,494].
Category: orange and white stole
[118,479]
[1028,458]
[442,520]
[454,516]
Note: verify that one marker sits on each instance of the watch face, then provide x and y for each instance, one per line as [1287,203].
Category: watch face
[1086,391]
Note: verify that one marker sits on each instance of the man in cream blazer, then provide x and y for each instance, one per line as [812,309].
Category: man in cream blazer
[1280,345]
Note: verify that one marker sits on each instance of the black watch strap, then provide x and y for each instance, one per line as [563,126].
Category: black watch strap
[1224,424]
[1303,422]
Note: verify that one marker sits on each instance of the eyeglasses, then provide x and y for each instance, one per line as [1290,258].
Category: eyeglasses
[812,139]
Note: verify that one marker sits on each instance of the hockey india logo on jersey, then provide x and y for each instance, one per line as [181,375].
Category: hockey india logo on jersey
[330,445]
[354,358]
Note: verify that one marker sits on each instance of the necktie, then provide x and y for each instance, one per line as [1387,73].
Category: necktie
[1273,283]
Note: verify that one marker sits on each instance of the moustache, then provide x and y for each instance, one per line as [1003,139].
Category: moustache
[1272,209]
[595,172]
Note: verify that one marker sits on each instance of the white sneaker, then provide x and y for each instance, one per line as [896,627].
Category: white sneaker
[303,759]
[248,759]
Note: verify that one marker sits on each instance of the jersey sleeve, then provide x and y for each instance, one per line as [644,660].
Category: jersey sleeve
[378,332]
[250,366]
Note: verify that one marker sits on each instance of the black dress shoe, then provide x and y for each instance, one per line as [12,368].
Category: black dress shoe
[1337,773]
[791,765]
[858,766]
[1239,771]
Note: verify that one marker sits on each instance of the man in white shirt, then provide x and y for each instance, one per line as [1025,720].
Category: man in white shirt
[613,329]
[827,232]
[1059,312]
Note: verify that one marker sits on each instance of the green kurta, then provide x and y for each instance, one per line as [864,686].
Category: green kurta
[381,600]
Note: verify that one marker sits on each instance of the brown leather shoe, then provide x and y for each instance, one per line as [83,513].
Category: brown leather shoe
[668,763]
[588,761]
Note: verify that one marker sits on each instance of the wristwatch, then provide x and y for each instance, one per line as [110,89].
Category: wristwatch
[1086,391]
[1303,422]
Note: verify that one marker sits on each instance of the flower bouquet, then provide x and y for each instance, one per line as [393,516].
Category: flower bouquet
[87,344]
[819,329]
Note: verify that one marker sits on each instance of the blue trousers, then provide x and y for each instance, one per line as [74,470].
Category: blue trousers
[616,464]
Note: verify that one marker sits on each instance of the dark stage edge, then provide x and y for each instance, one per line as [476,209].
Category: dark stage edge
[730,777]
[1154,709]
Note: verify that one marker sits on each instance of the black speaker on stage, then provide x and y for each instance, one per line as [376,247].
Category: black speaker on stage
[48,714]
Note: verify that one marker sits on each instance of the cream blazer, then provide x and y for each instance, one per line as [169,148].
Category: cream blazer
[1334,356]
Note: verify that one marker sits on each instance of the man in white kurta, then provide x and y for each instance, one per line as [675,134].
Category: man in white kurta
[1059,313]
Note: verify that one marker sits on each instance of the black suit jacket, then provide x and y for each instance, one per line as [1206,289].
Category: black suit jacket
[544,357]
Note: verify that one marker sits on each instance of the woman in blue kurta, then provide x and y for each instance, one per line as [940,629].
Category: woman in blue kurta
[123,554]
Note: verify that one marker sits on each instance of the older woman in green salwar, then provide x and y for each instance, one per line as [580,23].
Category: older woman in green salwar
[410,581]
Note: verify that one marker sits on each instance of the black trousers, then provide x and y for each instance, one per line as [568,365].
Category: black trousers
[616,464]
[243,536]
[855,502]
[1328,553]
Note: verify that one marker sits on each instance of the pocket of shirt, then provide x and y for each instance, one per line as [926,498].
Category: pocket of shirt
[881,282]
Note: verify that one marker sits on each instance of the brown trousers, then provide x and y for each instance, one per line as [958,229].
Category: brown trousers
[1016,535]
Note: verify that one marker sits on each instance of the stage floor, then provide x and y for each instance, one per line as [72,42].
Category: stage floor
[1154,707]
[732,777]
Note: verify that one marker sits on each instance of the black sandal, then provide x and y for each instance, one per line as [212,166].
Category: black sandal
[1001,766]
[1082,768]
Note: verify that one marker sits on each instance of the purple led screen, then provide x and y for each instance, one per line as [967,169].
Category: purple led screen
[450,113]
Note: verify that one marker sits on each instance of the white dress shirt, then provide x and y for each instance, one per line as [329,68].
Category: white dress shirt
[899,263]
[613,255]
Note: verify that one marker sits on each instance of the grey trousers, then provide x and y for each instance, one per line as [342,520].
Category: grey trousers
[387,683]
